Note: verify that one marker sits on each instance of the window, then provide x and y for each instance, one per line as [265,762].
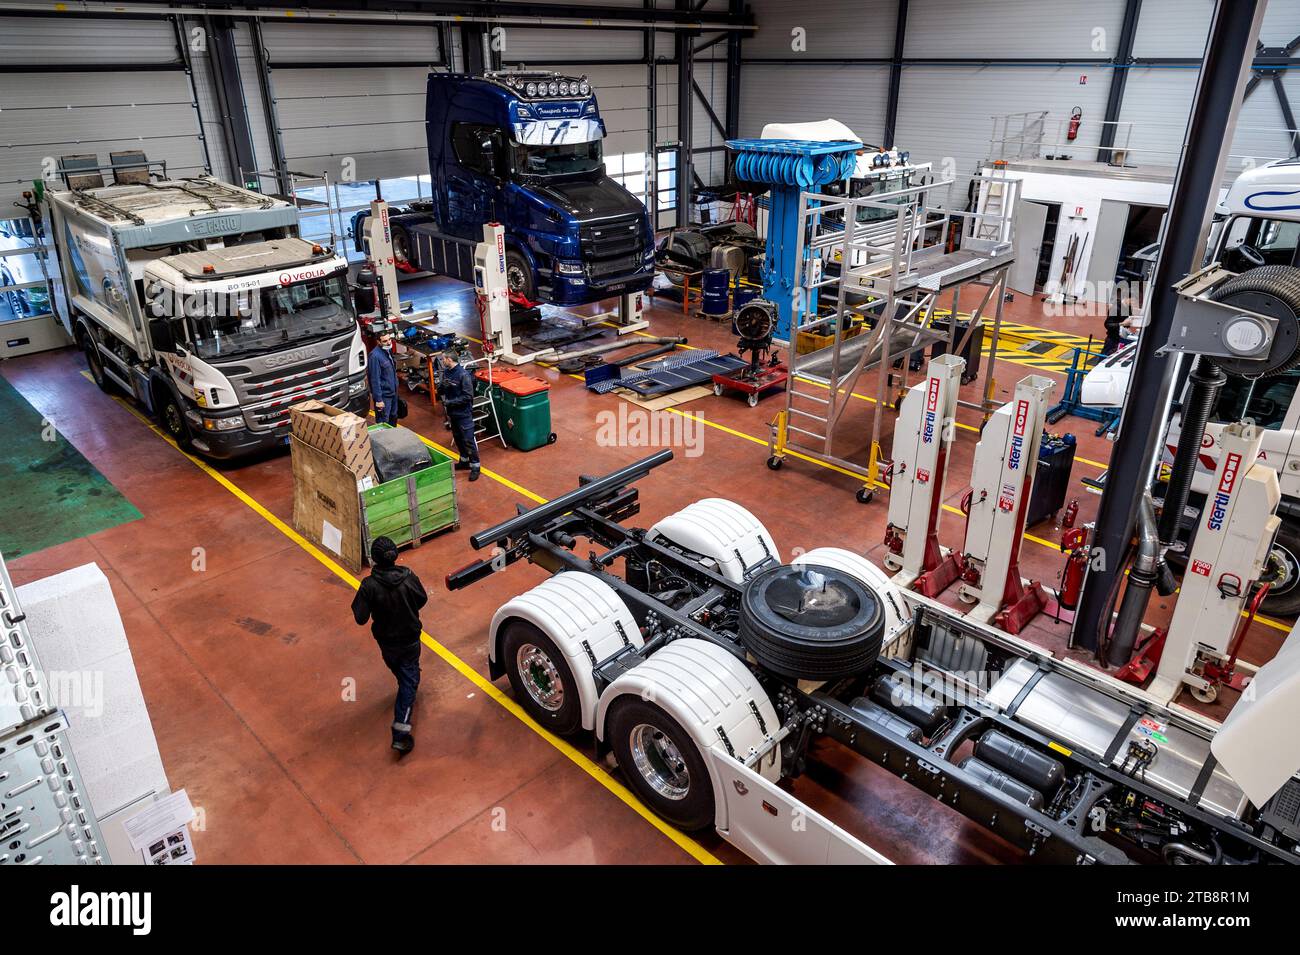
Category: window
[23,292]
[1275,239]
[1268,403]
[564,159]
[476,146]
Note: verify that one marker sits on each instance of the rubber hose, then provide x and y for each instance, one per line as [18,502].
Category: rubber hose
[1206,379]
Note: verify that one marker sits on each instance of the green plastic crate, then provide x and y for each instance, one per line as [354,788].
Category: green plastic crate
[410,508]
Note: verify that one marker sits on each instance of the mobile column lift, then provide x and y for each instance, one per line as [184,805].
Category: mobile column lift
[1001,480]
[923,437]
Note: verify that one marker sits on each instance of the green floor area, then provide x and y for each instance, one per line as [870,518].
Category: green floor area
[48,491]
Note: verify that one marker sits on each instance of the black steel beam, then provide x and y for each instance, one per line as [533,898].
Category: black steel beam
[670,17]
[1287,115]
[685,99]
[266,87]
[713,117]
[1119,77]
[224,62]
[895,74]
[1228,55]
[183,51]
[733,73]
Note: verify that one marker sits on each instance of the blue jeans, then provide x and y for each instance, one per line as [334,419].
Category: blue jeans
[404,663]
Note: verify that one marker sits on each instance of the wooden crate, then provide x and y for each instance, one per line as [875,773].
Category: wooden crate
[326,503]
[410,508]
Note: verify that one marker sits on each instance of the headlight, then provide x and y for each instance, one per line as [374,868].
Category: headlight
[554,88]
[564,89]
[584,87]
[223,424]
[356,388]
[531,89]
[569,268]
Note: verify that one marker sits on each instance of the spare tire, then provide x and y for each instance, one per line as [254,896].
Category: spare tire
[811,622]
[1272,290]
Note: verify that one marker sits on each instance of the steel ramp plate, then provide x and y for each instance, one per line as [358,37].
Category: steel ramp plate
[652,368]
[685,376]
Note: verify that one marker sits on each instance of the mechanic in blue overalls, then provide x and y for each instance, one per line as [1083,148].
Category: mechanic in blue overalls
[457,393]
[382,374]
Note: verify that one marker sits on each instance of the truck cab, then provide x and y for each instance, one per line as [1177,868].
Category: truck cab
[524,149]
[1259,224]
[200,300]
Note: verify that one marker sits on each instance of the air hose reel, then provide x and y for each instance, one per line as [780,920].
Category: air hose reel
[1247,324]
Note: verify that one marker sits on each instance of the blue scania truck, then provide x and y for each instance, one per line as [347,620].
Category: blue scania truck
[523,149]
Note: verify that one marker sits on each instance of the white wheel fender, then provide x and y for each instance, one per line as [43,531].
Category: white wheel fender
[898,609]
[719,529]
[580,613]
[705,689]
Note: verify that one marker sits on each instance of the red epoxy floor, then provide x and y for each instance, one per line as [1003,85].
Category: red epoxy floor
[246,663]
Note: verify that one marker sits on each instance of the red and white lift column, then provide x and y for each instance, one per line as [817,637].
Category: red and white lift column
[1229,554]
[923,437]
[1001,481]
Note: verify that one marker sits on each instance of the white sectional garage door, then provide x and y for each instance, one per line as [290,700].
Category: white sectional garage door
[352,122]
[47,114]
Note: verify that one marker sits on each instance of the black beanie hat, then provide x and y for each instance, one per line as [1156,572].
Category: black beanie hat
[383,552]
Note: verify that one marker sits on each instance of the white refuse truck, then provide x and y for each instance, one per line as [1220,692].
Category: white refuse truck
[1257,223]
[199,299]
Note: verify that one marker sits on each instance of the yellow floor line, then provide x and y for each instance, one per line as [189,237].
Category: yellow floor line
[686,843]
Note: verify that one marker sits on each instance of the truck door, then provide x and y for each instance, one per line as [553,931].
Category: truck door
[471,178]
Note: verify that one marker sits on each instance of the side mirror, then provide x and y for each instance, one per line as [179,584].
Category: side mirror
[161,335]
[489,153]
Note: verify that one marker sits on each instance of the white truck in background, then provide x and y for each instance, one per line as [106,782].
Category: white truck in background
[1257,223]
[199,299]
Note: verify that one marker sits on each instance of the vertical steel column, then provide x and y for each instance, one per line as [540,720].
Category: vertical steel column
[183,51]
[732,115]
[895,75]
[1119,77]
[264,84]
[224,61]
[1228,55]
[683,40]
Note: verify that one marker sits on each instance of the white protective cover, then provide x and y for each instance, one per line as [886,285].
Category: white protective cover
[1106,385]
[818,131]
[898,611]
[704,688]
[719,528]
[1258,744]
[572,608]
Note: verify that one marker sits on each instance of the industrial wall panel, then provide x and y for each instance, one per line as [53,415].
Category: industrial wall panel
[82,41]
[375,118]
[95,113]
[535,47]
[298,42]
[835,28]
[854,95]
[945,113]
[258,122]
[938,29]
[1173,28]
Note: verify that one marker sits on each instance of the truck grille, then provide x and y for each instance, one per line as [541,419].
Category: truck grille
[612,247]
[267,392]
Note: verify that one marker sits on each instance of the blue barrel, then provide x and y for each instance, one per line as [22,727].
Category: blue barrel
[717,285]
[744,295]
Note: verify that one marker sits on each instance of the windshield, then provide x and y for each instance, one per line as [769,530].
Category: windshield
[272,317]
[561,160]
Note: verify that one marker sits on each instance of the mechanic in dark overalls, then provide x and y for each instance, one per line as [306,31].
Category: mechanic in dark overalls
[382,374]
[457,393]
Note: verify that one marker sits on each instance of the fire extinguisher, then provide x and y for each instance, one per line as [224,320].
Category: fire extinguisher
[1075,542]
[1076,118]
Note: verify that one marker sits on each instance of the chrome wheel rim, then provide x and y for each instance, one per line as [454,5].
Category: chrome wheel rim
[515,278]
[540,677]
[172,415]
[659,762]
[1291,570]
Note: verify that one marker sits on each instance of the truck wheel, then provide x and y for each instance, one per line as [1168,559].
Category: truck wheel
[541,678]
[519,275]
[172,417]
[1283,598]
[401,246]
[661,763]
[94,361]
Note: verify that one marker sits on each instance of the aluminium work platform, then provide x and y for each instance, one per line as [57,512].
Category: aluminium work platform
[892,261]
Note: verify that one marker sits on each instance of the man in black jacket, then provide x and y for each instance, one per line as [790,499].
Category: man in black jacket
[456,391]
[391,597]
